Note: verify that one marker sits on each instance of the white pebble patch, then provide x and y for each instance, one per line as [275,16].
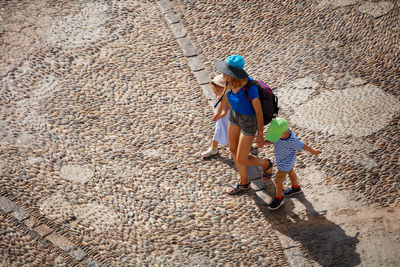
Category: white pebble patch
[376,9]
[337,3]
[76,29]
[358,111]
[289,98]
[76,173]
[100,218]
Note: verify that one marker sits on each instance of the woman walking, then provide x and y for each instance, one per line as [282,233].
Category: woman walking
[245,121]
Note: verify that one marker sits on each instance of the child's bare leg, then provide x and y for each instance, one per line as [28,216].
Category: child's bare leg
[211,151]
[278,183]
[214,144]
[293,178]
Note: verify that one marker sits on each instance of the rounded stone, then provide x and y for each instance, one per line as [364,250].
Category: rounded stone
[76,173]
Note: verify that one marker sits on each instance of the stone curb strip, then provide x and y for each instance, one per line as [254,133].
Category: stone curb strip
[45,233]
[188,49]
[291,249]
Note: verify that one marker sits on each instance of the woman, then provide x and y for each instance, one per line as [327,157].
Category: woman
[245,120]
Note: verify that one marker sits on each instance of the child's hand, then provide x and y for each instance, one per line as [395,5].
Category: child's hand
[315,152]
[311,150]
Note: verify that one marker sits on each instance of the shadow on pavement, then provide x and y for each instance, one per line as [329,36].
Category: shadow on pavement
[324,241]
[321,240]
[228,159]
[225,160]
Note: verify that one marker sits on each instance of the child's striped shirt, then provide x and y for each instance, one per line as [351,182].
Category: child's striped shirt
[285,152]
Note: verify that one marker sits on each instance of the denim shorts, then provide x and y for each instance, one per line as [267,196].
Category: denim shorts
[247,123]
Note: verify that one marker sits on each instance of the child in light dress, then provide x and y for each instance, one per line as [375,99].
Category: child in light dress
[217,84]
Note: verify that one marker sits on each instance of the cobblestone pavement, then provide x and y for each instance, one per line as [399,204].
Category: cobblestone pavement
[103,122]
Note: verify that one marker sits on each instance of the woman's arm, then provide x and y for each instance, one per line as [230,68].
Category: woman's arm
[260,122]
[222,107]
[225,111]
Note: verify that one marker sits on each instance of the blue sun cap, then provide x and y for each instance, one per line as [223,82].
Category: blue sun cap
[235,61]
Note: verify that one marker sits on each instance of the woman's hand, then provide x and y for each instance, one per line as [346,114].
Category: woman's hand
[267,143]
[223,114]
[221,109]
[216,117]
[260,141]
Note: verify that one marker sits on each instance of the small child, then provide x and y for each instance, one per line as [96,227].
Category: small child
[286,145]
[217,84]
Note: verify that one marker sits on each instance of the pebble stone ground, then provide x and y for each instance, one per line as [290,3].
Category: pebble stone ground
[102,126]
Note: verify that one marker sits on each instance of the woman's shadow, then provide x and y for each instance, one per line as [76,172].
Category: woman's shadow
[322,240]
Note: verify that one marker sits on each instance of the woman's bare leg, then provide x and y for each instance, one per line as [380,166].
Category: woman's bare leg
[234,140]
[242,156]
[233,136]
[245,143]
[240,146]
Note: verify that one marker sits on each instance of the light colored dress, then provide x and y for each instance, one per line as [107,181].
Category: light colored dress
[221,129]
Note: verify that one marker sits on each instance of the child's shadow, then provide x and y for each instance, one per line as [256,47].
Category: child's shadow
[323,241]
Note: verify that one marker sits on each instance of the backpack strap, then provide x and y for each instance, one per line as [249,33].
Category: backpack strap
[220,99]
[246,88]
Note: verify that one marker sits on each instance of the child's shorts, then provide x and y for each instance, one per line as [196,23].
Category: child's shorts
[247,123]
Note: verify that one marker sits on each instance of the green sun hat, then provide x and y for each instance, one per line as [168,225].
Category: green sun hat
[277,127]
